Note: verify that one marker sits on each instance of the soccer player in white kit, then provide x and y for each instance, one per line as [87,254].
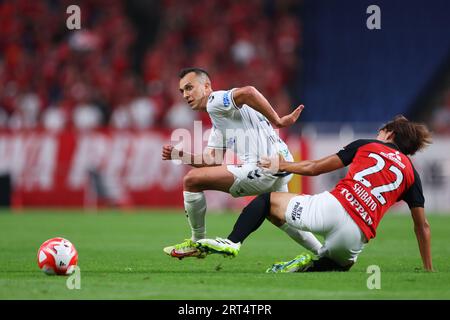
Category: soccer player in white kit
[241,119]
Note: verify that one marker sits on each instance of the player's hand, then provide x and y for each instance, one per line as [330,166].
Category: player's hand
[272,164]
[290,119]
[167,152]
[170,153]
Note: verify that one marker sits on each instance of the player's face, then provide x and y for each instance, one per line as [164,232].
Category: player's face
[193,91]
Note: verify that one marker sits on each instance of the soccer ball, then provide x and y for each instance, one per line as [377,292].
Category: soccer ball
[57,256]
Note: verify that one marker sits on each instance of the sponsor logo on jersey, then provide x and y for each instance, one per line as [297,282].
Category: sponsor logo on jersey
[297,211]
[226,99]
[395,157]
[358,207]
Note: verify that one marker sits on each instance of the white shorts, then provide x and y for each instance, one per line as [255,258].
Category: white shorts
[323,214]
[251,180]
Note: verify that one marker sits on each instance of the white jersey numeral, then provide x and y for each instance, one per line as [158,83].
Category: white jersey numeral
[377,191]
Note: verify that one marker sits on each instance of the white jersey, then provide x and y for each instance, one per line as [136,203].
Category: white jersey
[242,129]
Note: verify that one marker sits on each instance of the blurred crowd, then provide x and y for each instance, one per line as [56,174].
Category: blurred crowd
[440,120]
[57,78]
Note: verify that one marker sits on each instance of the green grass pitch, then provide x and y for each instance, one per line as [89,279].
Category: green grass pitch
[121,257]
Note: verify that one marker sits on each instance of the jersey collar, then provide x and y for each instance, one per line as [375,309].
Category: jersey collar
[392,145]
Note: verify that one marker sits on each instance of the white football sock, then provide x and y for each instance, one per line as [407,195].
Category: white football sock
[195,207]
[303,238]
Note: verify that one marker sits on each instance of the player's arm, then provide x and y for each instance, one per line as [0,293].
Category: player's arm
[423,235]
[252,97]
[305,167]
[209,158]
[315,167]
[416,203]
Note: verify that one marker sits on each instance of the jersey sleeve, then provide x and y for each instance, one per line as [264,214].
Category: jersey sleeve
[221,102]
[216,139]
[347,153]
[414,195]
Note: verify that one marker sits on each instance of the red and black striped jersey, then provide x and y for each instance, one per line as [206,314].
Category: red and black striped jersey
[379,175]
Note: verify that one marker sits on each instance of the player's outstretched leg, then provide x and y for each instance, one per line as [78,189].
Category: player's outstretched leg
[225,247]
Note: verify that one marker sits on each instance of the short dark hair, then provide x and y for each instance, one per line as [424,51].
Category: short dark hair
[197,71]
[410,136]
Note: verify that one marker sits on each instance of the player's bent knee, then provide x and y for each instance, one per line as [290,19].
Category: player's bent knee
[275,221]
[278,205]
[191,182]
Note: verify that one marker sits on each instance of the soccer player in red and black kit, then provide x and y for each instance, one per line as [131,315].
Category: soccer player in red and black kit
[380,174]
